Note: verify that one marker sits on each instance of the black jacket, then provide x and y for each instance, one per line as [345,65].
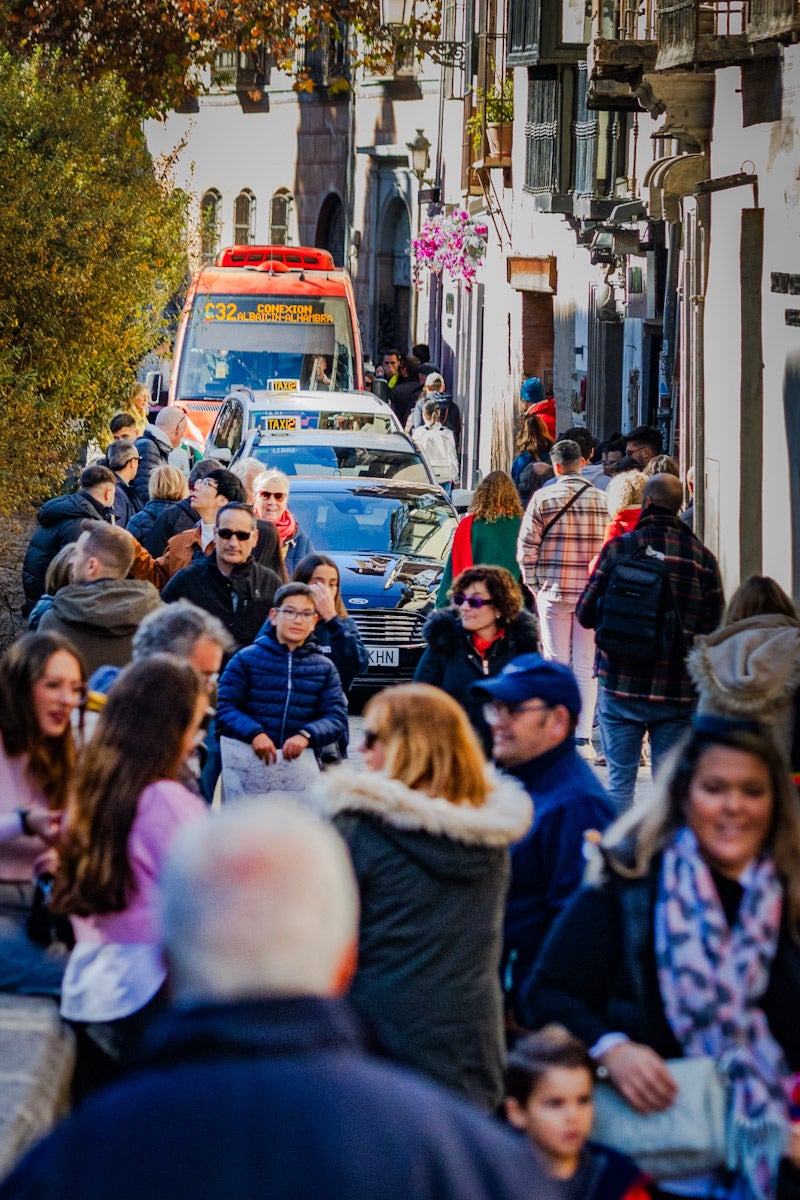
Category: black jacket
[403,396]
[126,503]
[179,517]
[203,583]
[60,523]
[275,1098]
[152,452]
[452,663]
[597,972]
[432,878]
[142,524]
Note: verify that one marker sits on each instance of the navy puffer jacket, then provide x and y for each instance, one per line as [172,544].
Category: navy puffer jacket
[267,689]
[142,523]
[60,522]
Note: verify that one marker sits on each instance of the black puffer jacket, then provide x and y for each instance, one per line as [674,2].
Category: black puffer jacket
[142,524]
[177,518]
[154,449]
[59,523]
[452,663]
[432,877]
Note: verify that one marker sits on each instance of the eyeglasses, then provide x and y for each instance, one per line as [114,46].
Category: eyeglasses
[240,534]
[473,601]
[494,713]
[279,496]
[370,738]
[206,483]
[296,614]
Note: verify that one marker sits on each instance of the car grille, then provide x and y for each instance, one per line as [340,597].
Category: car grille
[389,627]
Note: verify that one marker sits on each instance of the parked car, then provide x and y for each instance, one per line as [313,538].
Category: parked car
[389,540]
[322,454]
[290,412]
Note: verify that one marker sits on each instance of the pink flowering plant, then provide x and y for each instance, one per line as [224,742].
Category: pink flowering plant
[450,242]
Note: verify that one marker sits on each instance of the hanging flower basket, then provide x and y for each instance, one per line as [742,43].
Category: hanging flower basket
[449,242]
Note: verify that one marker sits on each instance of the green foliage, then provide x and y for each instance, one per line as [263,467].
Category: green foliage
[495,107]
[92,245]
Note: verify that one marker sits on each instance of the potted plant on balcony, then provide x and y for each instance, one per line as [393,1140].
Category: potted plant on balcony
[495,114]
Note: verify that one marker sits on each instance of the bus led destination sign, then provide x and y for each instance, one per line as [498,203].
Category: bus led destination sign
[242,309]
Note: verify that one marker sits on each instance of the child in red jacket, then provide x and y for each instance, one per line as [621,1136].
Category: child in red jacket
[549,1085]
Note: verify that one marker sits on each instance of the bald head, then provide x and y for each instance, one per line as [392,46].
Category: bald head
[666,491]
[259,901]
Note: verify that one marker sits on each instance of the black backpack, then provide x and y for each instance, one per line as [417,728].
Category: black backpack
[636,614]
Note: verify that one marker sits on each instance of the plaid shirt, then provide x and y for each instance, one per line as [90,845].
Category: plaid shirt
[558,566]
[696,590]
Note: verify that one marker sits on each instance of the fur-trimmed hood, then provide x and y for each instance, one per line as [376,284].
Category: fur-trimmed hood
[749,668]
[505,818]
[444,632]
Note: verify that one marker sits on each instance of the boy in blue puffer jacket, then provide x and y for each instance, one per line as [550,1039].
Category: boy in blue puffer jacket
[282,693]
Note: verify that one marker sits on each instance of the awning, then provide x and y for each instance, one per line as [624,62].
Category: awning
[671,178]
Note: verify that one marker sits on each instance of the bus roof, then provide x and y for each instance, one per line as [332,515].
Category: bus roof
[303,258]
[232,281]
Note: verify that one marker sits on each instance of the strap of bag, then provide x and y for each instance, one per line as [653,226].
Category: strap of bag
[575,496]
[642,555]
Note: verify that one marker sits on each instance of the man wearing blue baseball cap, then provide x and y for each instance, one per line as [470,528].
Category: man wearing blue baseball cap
[532,707]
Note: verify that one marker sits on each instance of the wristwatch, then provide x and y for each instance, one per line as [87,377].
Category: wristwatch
[24,822]
[304,733]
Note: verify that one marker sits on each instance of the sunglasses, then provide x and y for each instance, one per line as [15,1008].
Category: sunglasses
[279,496]
[239,534]
[370,738]
[473,601]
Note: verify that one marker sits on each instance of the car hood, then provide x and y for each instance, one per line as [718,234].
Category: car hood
[385,580]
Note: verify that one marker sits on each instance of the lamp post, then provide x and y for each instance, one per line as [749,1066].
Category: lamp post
[397,18]
[419,158]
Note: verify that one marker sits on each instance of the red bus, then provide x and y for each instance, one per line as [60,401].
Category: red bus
[270,318]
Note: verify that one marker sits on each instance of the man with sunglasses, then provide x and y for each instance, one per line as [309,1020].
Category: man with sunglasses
[228,583]
[533,707]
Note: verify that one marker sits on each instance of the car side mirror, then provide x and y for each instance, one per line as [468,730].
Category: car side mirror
[380,388]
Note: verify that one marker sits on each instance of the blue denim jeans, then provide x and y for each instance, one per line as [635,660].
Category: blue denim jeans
[623,724]
[25,968]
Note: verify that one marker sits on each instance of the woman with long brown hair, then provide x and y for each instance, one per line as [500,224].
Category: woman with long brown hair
[533,445]
[126,808]
[428,826]
[42,682]
[488,534]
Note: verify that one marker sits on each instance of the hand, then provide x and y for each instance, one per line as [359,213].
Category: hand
[264,748]
[45,825]
[293,747]
[792,1151]
[323,601]
[46,863]
[641,1077]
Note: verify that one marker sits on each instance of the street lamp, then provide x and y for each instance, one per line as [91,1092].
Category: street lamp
[418,153]
[397,18]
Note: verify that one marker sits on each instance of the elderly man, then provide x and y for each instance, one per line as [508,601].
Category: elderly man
[101,609]
[156,445]
[256,1084]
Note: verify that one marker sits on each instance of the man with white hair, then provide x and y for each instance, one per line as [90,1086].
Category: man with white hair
[256,1084]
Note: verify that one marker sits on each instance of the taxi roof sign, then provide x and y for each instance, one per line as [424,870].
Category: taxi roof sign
[282,423]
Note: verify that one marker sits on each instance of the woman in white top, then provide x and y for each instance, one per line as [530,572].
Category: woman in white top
[42,682]
[438,445]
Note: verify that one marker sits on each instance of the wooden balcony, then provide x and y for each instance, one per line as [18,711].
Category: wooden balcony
[699,33]
[622,48]
[774,19]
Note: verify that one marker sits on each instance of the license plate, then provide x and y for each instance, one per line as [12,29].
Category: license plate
[384,656]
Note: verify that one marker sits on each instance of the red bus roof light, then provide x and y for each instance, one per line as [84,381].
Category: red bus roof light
[301,258]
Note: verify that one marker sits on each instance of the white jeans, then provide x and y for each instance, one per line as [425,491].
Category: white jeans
[565,641]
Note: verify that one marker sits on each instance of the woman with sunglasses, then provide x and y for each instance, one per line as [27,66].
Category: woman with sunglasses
[428,826]
[271,503]
[125,810]
[42,682]
[486,627]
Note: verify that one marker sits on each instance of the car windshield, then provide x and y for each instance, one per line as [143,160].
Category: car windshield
[266,343]
[282,419]
[376,522]
[354,461]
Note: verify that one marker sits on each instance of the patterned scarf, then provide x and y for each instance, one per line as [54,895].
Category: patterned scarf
[286,526]
[711,979]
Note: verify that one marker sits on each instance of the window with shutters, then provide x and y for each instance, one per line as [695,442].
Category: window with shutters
[280,216]
[244,218]
[524,24]
[210,224]
[543,131]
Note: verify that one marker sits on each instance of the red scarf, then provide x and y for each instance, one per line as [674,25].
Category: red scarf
[461,553]
[286,526]
[483,644]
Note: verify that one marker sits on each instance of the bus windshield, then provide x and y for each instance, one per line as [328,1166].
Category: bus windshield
[267,343]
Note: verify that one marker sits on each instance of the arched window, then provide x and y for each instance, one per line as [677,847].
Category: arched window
[244,218]
[210,224]
[280,216]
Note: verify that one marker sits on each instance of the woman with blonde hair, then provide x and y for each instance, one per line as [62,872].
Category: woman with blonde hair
[696,911]
[271,503]
[166,486]
[138,405]
[488,534]
[428,826]
[624,500]
[58,575]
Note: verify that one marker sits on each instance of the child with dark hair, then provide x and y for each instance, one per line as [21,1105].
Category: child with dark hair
[549,1098]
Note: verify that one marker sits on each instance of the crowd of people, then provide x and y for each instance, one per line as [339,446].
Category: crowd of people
[433,976]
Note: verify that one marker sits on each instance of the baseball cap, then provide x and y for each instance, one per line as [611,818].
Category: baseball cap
[531,677]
